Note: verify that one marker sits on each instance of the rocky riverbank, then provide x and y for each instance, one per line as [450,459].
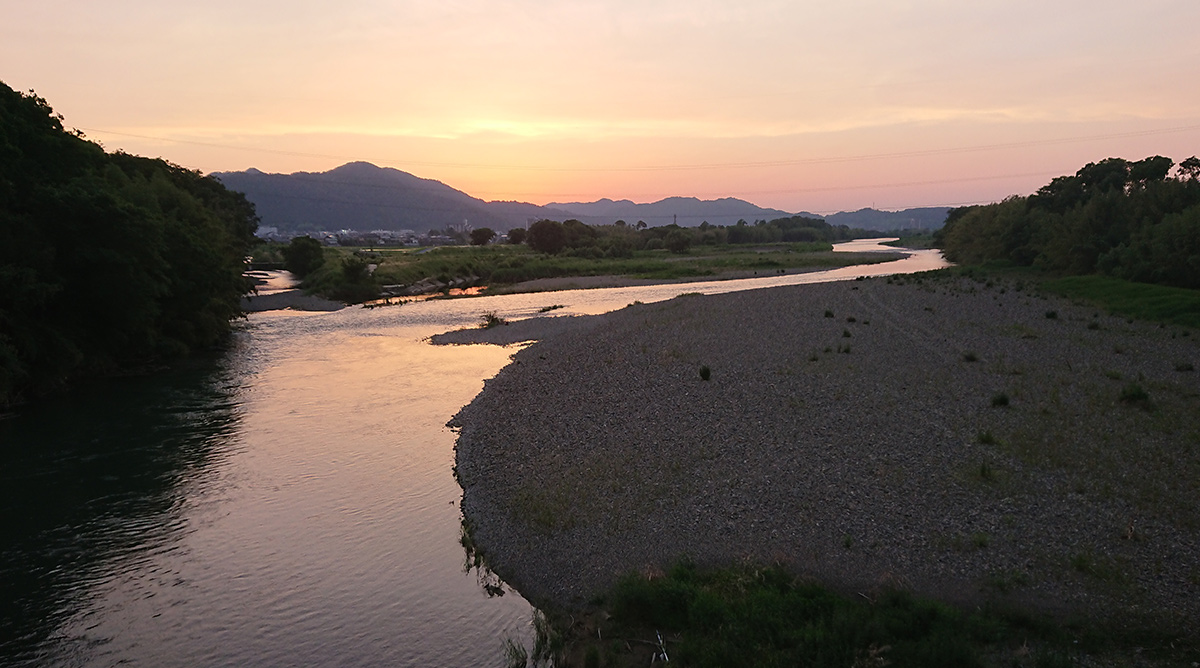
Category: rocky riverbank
[970,441]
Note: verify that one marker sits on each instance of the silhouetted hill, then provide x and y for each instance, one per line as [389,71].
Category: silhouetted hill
[361,196]
[925,218]
[686,211]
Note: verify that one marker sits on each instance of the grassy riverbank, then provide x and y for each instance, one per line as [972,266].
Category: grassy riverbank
[1148,302]
[497,266]
[747,616]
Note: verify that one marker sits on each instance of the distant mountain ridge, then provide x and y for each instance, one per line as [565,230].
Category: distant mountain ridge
[922,218]
[362,196]
[684,211]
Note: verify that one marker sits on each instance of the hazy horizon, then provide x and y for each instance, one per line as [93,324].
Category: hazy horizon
[885,105]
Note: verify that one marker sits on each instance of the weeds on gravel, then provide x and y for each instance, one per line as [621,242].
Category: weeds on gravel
[1005,581]
[985,437]
[705,373]
[1051,315]
[986,472]
[1184,366]
[490,320]
[999,400]
[1134,395]
[547,509]
[846,334]
[552,307]
[970,357]
[1101,568]
[828,313]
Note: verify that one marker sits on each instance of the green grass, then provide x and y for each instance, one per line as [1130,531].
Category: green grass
[749,616]
[1143,301]
[507,264]
[914,241]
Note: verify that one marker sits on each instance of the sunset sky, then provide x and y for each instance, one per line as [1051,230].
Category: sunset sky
[798,105]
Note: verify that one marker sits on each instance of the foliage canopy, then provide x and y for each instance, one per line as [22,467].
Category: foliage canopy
[1129,220]
[303,255]
[107,261]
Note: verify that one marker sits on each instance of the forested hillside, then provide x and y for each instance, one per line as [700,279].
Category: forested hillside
[1131,220]
[107,261]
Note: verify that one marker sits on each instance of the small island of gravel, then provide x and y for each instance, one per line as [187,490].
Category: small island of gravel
[969,441]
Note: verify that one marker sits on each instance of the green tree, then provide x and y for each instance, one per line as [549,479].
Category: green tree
[579,234]
[303,255]
[482,236]
[1126,219]
[1189,169]
[546,236]
[106,261]
[678,241]
[516,235]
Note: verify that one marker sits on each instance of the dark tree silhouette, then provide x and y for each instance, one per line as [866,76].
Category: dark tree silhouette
[482,236]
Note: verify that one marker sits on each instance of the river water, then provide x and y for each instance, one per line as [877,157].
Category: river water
[289,503]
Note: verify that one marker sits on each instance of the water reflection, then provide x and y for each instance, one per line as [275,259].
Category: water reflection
[92,496]
[291,503]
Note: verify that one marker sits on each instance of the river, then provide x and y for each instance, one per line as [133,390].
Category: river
[289,503]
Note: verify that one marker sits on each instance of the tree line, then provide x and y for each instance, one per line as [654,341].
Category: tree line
[108,261]
[621,239]
[1138,220]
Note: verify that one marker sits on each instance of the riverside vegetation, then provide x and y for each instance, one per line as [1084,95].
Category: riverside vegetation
[108,261]
[572,248]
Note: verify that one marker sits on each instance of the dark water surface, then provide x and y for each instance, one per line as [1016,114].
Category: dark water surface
[289,503]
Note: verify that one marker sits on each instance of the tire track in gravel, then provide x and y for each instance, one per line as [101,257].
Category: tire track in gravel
[903,324]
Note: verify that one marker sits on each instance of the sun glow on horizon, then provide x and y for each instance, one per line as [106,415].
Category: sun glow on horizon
[805,107]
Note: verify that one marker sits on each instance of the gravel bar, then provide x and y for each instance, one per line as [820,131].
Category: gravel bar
[969,441]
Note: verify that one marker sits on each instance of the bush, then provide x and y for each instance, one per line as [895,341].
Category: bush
[303,256]
[1134,394]
[490,320]
[678,241]
[546,236]
[482,236]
